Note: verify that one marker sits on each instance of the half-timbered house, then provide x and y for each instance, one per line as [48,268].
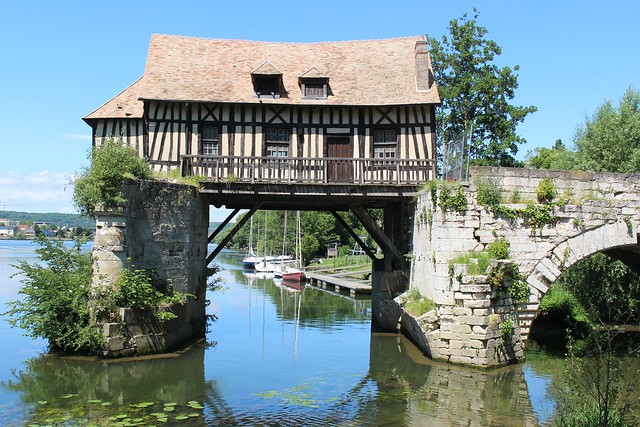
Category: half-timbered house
[336,126]
[246,111]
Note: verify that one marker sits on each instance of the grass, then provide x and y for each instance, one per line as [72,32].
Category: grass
[478,262]
[417,305]
[345,262]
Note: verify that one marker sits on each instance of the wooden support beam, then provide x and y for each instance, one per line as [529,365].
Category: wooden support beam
[353,234]
[232,233]
[376,232]
[223,225]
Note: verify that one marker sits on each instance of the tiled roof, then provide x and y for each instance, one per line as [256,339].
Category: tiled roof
[364,72]
[126,104]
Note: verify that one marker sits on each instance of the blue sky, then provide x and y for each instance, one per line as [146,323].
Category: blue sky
[61,60]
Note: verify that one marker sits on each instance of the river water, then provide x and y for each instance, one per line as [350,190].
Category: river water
[276,356]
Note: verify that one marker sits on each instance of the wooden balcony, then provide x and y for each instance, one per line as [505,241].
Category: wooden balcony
[309,170]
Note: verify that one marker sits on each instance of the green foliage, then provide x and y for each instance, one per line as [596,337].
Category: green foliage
[477,261]
[560,307]
[538,216]
[448,200]
[596,389]
[102,181]
[546,158]
[506,330]
[417,305]
[507,277]
[499,248]
[476,93]
[546,191]
[489,193]
[57,298]
[175,175]
[605,287]
[53,300]
[609,141]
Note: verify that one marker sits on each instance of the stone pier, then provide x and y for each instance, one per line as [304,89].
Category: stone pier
[163,229]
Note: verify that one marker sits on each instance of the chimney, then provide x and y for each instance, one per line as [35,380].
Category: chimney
[424,76]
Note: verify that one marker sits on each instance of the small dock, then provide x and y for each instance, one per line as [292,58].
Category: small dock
[337,283]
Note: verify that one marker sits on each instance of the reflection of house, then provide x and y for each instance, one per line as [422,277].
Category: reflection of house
[356,111]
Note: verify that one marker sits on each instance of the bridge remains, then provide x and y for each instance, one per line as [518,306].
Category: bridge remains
[592,212]
[162,230]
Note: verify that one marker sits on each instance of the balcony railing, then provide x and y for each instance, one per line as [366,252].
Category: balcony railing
[309,170]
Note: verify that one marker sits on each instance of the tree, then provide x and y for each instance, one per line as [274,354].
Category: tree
[609,141]
[53,302]
[102,181]
[476,93]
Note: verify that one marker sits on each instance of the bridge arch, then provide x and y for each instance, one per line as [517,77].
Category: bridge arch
[615,238]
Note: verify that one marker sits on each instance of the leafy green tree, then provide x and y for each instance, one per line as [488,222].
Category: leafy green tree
[609,141]
[53,301]
[102,181]
[476,94]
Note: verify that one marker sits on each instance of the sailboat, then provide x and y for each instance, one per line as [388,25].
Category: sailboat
[250,259]
[264,264]
[295,273]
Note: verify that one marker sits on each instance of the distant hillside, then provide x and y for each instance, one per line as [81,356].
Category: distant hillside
[59,219]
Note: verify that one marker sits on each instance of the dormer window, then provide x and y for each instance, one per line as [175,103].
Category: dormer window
[314,84]
[267,81]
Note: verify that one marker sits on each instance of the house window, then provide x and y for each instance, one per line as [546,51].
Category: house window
[385,144]
[314,89]
[267,86]
[277,142]
[210,140]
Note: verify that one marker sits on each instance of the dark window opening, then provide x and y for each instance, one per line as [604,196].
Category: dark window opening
[267,86]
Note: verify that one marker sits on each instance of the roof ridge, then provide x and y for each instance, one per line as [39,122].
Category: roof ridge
[222,39]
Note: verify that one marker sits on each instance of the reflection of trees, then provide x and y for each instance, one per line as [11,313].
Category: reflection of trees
[318,308]
[177,377]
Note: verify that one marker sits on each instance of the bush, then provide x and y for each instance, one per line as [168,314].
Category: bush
[489,193]
[499,248]
[102,182]
[546,191]
[561,307]
[54,298]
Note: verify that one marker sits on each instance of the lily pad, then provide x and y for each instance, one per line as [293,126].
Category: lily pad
[42,402]
[182,417]
[94,401]
[194,415]
[106,404]
[195,405]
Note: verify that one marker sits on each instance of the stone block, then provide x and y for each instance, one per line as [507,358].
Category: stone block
[464,328]
[110,329]
[462,311]
[115,344]
[482,303]
[482,311]
[475,288]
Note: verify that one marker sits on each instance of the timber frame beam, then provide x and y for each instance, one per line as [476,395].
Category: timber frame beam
[353,234]
[376,232]
[233,231]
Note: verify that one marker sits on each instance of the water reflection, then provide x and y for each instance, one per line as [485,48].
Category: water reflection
[284,357]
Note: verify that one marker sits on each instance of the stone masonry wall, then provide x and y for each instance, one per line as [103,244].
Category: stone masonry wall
[593,212]
[164,230]
[481,328]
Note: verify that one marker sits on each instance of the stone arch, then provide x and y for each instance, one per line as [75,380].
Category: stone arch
[602,238]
